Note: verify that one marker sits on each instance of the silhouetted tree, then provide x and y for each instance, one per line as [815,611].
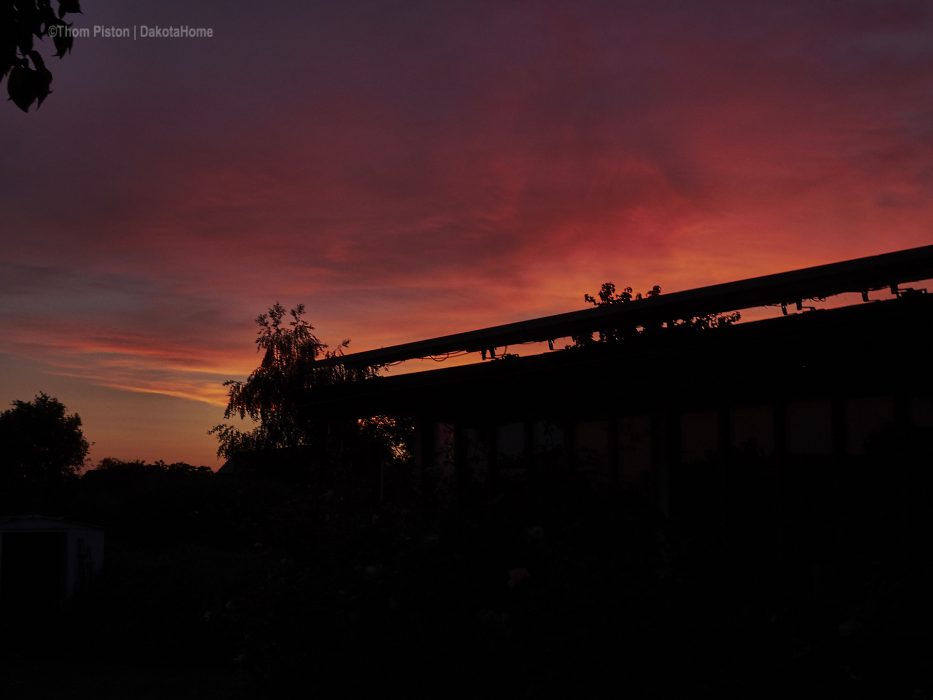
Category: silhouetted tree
[112,465]
[274,394]
[40,445]
[608,295]
[21,23]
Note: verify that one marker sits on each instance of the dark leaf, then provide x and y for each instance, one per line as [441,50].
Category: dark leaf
[37,62]
[48,17]
[43,77]
[24,39]
[63,43]
[23,87]
[6,62]
[69,7]
[26,17]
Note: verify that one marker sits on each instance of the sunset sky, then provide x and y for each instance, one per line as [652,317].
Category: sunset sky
[410,169]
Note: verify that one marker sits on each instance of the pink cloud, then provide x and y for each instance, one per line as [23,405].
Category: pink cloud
[443,167]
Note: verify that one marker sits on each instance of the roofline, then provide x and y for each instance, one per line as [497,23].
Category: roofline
[857,275]
[34,517]
[784,339]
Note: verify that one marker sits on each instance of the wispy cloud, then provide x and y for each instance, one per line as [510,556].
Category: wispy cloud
[419,169]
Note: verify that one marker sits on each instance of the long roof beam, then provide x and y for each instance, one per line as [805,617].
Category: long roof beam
[858,275]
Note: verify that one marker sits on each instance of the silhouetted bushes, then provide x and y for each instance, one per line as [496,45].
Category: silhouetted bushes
[245,585]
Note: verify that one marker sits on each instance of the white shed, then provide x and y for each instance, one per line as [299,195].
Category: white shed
[45,561]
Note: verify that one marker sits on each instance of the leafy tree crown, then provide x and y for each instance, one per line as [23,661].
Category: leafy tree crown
[42,444]
[275,393]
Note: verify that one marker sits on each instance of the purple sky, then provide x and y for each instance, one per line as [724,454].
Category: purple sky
[408,169]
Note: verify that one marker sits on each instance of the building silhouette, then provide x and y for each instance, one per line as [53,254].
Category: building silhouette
[680,416]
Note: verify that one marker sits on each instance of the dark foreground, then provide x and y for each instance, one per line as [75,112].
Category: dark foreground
[250,587]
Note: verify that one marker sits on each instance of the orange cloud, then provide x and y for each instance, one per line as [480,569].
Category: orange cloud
[445,167]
